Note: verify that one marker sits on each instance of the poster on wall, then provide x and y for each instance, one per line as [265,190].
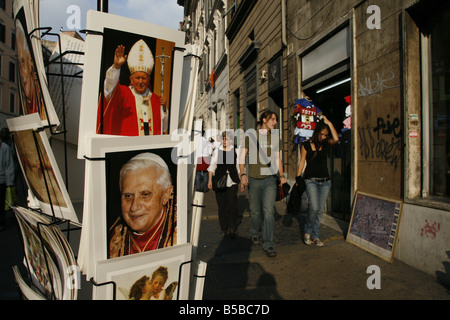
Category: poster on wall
[40,168]
[374,224]
[153,275]
[138,200]
[132,78]
[32,82]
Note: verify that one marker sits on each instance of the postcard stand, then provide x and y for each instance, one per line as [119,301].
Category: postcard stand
[28,267]
[98,33]
[41,163]
[115,285]
[104,284]
[59,60]
[45,256]
[112,282]
[55,220]
[46,183]
[50,126]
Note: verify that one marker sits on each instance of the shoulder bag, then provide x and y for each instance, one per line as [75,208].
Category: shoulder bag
[220,184]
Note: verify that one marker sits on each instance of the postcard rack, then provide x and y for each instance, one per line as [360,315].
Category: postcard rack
[46,182]
[59,60]
[52,217]
[54,220]
[162,57]
[41,239]
[180,270]
[104,284]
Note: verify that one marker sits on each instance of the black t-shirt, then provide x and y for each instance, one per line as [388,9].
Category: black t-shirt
[316,162]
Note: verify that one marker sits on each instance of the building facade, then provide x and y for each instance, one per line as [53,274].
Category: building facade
[204,25]
[9,95]
[379,70]
[257,44]
[391,57]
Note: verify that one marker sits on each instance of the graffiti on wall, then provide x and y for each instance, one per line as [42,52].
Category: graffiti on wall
[430,230]
[376,85]
[381,141]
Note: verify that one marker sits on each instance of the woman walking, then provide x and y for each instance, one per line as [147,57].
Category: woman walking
[224,162]
[317,179]
[264,162]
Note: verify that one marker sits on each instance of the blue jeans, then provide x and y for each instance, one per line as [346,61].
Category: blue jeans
[317,193]
[262,196]
[201,181]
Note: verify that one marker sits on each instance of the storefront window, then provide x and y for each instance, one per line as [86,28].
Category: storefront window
[440,106]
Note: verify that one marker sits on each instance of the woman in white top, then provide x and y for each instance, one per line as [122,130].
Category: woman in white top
[224,162]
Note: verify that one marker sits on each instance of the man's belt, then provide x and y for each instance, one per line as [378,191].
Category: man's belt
[319,179]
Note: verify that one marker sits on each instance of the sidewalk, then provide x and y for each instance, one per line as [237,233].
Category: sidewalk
[238,270]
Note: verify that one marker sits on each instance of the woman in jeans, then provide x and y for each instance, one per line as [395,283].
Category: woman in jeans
[224,161]
[264,161]
[317,178]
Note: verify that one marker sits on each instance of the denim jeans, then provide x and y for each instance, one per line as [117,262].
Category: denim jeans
[201,181]
[317,193]
[262,196]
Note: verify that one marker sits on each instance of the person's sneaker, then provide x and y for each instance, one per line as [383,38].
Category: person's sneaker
[307,239]
[255,240]
[318,243]
[270,252]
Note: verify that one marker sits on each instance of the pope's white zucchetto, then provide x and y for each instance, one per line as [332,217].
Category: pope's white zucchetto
[140,58]
[152,157]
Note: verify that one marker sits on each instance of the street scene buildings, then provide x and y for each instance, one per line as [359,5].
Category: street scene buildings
[377,69]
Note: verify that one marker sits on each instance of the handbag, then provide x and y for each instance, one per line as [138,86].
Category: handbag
[220,184]
[283,190]
[300,181]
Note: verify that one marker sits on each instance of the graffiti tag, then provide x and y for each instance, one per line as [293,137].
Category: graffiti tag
[430,230]
[375,86]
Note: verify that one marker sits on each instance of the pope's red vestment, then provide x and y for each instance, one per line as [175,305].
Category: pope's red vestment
[120,116]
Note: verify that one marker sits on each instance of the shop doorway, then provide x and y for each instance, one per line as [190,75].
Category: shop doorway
[330,97]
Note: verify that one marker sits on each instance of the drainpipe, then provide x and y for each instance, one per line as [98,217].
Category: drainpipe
[283,23]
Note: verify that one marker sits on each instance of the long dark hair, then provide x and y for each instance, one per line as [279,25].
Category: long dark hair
[266,115]
[321,125]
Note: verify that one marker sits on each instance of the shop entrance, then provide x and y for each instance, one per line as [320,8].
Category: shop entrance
[330,97]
